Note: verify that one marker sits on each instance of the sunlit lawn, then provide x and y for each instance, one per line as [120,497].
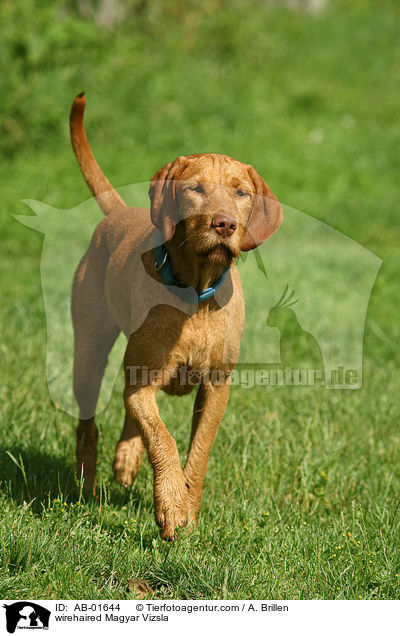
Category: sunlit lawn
[301,495]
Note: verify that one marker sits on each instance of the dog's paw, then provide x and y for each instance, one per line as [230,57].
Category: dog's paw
[172,506]
[127,462]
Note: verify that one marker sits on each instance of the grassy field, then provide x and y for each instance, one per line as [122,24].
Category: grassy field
[302,495]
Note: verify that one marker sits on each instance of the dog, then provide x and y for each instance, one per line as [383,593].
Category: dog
[167,279]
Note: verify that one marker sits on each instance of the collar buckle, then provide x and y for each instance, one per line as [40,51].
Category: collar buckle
[157,266]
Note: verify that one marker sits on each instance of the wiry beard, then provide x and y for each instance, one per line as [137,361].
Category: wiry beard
[219,254]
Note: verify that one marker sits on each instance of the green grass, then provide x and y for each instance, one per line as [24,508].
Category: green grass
[302,493]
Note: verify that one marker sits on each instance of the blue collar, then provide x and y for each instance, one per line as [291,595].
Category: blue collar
[168,277]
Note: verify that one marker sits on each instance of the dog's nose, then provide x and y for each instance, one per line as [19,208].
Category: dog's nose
[224,225]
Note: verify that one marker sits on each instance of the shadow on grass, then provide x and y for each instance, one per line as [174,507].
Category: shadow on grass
[117,496]
[32,475]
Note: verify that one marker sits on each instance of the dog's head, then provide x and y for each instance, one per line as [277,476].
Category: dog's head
[214,204]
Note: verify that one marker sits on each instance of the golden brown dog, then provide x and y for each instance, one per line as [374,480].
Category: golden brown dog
[205,209]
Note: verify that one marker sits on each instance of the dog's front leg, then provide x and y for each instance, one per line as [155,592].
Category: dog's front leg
[128,455]
[209,408]
[171,499]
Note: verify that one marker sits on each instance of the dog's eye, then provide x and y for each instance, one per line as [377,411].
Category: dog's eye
[199,188]
[241,193]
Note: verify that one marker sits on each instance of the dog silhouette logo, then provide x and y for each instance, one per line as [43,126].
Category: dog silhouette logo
[333,277]
[26,615]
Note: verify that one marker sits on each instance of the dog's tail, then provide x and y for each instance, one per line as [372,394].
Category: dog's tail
[107,198]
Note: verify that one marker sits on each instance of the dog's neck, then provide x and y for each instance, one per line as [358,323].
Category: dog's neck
[190,268]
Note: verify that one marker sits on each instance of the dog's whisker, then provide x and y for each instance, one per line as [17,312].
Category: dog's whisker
[186,240]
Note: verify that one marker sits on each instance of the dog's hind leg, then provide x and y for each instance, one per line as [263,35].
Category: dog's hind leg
[95,332]
[91,354]
[128,456]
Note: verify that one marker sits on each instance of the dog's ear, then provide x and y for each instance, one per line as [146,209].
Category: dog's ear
[265,217]
[162,192]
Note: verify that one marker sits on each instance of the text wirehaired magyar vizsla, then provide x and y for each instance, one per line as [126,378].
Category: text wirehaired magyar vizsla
[166,278]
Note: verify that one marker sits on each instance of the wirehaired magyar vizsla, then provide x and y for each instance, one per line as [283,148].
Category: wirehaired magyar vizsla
[167,278]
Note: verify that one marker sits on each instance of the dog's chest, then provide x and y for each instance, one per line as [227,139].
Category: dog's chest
[201,340]
[208,340]
[200,354]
